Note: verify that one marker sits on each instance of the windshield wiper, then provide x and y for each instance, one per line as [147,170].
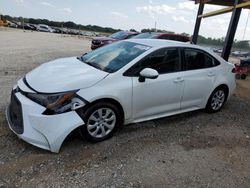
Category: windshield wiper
[109,70]
[88,63]
[93,65]
[79,58]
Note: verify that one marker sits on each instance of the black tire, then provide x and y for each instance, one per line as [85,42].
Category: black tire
[243,76]
[86,114]
[210,108]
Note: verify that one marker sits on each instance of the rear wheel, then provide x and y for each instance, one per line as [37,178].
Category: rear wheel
[101,121]
[243,76]
[216,100]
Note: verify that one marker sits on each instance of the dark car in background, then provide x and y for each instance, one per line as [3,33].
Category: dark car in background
[58,30]
[166,36]
[245,62]
[121,35]
[30,27]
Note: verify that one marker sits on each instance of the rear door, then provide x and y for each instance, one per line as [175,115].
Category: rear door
[199,77]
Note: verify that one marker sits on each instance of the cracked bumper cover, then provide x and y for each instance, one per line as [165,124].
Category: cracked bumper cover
[44,131]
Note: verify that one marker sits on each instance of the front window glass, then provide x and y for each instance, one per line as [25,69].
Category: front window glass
[131,36]
[113,57]
[119,35]
[164,61]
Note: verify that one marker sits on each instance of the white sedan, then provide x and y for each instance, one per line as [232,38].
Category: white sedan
[125,82]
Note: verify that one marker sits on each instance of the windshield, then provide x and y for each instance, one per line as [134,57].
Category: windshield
[119,35]
[113,57]
[145,36]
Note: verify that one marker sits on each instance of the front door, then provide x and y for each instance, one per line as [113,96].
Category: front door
[156,97]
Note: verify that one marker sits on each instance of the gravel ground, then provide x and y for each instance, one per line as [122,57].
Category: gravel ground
[194,149]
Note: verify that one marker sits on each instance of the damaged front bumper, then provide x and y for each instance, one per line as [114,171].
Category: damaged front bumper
[26,120]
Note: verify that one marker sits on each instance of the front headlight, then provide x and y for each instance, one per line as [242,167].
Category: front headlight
[57,103]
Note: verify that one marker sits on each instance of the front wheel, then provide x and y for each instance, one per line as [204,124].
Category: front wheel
[101,121]
[216,100]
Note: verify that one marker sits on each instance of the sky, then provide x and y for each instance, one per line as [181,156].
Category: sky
[171,15]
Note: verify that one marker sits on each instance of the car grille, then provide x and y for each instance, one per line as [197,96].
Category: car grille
[15,114]
[96,42]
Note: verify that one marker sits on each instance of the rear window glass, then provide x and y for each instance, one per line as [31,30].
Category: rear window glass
[197,60]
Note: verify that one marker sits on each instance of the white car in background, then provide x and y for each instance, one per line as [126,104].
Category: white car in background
[11,24]
[126,82]
[44,28]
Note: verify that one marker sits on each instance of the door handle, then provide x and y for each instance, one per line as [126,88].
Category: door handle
[178,80]
[210,74]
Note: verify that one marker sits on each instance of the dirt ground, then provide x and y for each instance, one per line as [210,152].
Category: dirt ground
[194,149]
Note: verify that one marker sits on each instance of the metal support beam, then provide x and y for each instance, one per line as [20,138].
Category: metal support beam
[224,10]
[197,23]
[231,32]
[243,5]
[216,12]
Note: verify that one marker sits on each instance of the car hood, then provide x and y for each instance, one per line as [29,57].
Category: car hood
[63,75]
[104,39]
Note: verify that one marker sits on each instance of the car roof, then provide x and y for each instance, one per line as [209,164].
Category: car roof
[125,31]
[131,32]
[168,34]
[159,43]
[43,25]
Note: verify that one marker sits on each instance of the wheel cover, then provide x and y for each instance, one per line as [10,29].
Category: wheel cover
[101,122]
[218,100]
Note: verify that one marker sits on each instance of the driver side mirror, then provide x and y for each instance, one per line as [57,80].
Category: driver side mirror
[148,73]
